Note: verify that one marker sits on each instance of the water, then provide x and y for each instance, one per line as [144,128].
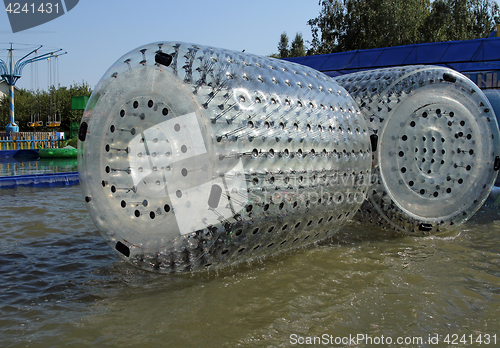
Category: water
[12,166]
[62,285]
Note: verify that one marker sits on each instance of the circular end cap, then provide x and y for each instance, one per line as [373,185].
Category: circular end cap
[144,152]
[436,157]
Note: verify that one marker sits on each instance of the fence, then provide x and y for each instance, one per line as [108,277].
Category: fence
[28,140]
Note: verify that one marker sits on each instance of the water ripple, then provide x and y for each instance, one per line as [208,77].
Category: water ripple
[62,285]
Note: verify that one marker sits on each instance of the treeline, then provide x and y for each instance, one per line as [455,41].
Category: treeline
[363,24]
[41,105]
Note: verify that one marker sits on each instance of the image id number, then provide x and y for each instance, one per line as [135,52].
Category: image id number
[485,339]
[31,8]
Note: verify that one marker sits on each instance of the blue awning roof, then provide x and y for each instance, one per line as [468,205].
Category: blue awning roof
[464,56]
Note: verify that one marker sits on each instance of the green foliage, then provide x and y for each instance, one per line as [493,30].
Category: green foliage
[297,48]
[345,25]
[72,142]
[283,46]
[28,105]
[460,20]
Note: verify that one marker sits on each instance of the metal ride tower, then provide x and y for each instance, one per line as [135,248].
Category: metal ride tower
[11,71]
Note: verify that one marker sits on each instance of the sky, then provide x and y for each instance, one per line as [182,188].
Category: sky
[95,33]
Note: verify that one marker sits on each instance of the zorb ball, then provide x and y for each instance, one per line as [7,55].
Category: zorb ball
[193,157]
[435,143]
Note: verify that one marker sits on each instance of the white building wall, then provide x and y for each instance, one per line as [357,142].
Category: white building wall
[4,89]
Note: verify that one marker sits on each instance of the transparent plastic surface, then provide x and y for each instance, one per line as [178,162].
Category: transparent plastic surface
[493,96]
[193,157]
[436,140]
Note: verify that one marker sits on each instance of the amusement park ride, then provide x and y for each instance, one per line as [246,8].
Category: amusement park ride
[11,71]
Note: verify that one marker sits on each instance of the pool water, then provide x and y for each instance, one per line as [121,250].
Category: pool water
[62,285]
[12,166]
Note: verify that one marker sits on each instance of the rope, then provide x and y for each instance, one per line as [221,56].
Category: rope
[49,79]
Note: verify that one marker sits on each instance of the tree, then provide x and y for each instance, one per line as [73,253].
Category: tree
[436,26]
[298,49]
[43,103]
[283,46]
[460,20]
[327,27]
[362,24]
[344,25]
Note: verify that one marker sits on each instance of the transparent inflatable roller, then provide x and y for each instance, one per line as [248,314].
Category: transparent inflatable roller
[192,157]
[436,146]
[493,96]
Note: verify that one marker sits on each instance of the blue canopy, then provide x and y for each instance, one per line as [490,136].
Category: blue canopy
[468,57]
